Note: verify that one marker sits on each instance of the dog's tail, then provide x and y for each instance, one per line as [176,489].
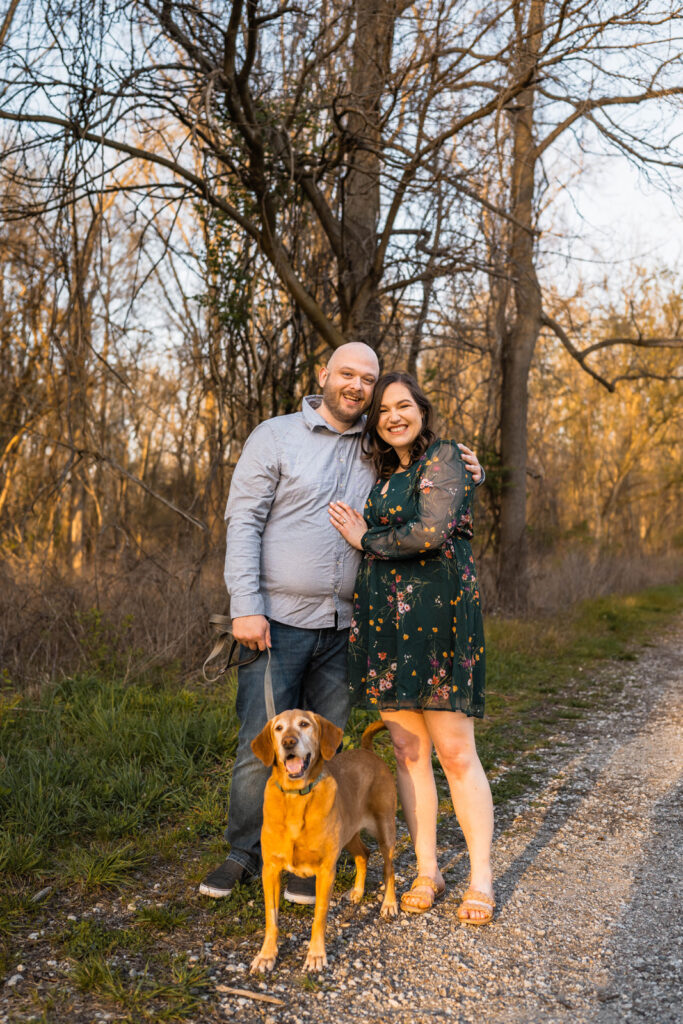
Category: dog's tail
[369,733]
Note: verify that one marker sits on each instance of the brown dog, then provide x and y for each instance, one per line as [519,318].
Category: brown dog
[315,805]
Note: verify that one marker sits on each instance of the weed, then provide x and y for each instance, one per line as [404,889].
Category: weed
[87,937]
[346,872]
[19,854]
[93,974]
[105,647]
[241,913]
[511,784]
[103,866]
[309,984]
[16,911]
[145,997]
[162,919]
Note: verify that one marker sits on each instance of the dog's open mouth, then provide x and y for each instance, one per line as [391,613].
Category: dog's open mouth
[297,766]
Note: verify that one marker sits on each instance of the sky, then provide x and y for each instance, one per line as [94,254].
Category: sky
[614,213]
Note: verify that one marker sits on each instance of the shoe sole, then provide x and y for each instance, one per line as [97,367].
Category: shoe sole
[210,890]
[217,893]
[295,897]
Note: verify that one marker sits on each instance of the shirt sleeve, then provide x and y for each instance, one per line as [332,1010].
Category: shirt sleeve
[252,490]
[444,484]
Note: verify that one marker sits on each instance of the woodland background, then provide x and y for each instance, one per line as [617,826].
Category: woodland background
[200,200]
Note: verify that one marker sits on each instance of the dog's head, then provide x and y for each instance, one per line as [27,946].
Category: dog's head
[296,741]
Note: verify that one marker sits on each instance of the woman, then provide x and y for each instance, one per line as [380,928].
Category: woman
[416,650]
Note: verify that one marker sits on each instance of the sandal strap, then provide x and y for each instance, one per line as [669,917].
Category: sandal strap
[474,896]
[427,882]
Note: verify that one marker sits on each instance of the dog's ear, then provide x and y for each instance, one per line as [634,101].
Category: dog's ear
[262,746]
[330,737]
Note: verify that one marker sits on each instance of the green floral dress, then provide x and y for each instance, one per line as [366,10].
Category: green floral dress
[417,637]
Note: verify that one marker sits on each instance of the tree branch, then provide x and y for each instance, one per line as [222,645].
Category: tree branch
[573,351]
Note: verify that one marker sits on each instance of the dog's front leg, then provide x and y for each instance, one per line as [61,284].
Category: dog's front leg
[324,880]
[265,961]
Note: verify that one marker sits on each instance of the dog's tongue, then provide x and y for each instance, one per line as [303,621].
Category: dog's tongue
[294,765]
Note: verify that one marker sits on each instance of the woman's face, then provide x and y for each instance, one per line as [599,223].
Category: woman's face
[400,418]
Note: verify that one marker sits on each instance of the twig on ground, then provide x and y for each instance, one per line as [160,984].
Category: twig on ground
[248,994]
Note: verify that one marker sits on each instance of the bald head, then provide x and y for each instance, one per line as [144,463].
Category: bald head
[354,353]
[347,382]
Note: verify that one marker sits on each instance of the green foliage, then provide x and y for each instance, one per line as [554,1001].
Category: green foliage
[85,938]
[145,997]
[162,919]
[19,854]
[103,866]
[16,911]
[309,983]
[229,273]
[106,647]
[94,762]
[242,914]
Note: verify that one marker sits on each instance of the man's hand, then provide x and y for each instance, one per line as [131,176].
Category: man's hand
[471,462]
[252,631]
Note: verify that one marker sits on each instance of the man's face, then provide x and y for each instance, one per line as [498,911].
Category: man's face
[347,386]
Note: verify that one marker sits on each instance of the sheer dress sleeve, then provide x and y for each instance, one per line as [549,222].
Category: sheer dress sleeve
[444,486]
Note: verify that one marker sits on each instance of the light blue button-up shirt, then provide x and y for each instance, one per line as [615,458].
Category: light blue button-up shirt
[284,559]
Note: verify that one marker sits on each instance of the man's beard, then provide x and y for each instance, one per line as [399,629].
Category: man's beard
[332,400]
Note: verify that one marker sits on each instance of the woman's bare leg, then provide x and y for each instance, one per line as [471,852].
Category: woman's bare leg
[452,733]
[416,786]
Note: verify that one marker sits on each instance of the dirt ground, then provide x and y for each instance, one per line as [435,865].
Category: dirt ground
[588,881]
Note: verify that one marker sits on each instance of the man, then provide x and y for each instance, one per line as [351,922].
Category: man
[290,576]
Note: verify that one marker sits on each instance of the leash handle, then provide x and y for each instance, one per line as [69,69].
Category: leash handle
[268,689]
[221,625]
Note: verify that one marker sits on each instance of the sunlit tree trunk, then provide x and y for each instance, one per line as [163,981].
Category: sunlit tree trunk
[520,338]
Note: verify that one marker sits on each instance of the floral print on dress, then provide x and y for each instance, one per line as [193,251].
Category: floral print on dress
[417,638]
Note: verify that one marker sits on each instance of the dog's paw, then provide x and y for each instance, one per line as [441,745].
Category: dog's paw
[388,909]
[354,895]
[315,961]
[260,964]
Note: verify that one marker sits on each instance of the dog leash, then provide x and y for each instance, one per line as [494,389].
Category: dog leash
[221,626]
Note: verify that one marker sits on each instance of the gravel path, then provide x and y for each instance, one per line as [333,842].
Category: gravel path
[588,875]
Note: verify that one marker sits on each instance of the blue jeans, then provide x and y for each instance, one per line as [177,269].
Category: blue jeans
[308,667]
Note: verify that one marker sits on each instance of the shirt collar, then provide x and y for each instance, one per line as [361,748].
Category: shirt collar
[314,421]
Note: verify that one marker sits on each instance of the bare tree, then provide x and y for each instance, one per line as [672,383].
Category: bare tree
[587,65]
[348,155]
[257,108]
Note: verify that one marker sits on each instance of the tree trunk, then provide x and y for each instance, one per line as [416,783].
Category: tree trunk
[78,338]
[361,185]
[519,341]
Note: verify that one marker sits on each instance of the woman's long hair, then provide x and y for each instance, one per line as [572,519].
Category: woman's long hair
[382,455]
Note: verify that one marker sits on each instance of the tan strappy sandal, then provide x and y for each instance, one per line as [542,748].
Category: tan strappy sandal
[414,904]
[473,899]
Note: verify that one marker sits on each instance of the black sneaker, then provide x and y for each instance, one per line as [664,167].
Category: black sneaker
[300,890]
[222,880]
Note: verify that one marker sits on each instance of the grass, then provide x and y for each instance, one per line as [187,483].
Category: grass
[105,788]
[87,938]
[144,997]
[94,762]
